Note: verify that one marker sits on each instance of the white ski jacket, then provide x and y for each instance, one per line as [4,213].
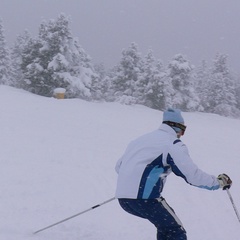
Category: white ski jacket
[148,160]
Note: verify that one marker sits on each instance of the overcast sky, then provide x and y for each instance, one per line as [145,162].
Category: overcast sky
[196,28]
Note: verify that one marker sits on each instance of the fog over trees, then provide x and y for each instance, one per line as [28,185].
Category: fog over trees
[56,59]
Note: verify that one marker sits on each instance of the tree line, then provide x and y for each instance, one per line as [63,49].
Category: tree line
[56,59]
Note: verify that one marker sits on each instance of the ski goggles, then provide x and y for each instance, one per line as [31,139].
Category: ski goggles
[177,125]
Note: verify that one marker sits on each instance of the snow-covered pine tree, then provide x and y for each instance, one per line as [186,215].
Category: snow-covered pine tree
[6,74]
[17,61]
[238,92]
[147,69]
[180,72]
[33,78]
[57,60]
[222,89]
[158,89]
[54,36]
[127,75]
[110,93]
[78,75]
[201,83]
[100,85]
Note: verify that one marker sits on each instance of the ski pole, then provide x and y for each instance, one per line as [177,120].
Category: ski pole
[66,219]
[234,207]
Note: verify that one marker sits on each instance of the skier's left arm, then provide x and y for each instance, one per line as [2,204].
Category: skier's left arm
[183,166]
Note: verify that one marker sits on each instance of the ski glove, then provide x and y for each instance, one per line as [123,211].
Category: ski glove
[224,181]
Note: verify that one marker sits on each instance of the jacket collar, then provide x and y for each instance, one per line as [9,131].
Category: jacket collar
[168,129]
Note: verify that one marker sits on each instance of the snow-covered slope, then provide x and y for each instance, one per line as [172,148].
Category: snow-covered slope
[58,158]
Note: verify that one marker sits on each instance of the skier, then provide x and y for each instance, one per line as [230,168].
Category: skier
[142,172]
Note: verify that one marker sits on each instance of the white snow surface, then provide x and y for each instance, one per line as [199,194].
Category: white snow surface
[58,159]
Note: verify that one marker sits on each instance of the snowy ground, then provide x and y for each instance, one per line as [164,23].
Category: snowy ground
[58,158]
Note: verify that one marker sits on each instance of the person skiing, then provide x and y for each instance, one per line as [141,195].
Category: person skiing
[144,167]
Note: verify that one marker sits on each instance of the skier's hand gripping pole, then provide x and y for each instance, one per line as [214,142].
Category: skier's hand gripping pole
[224,181]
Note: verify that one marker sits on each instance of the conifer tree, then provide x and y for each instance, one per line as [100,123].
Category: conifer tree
[5,60]
[55,59]
[34,79]
[159,89]
[238,92]
[17,58]
[127,76]
[100,84]
[222,88]
[149,65]
[180,74]
[146,72]
[201,84]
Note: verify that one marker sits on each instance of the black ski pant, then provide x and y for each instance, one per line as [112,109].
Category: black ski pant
[158,212]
